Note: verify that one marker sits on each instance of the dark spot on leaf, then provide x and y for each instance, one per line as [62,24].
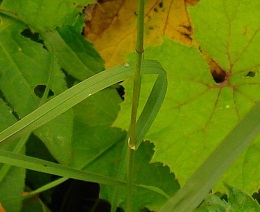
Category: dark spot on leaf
[121,91]
[161,4]
[135,13]
[250,74]
[40,89]
[188,27]
[32,36]
[256,196]
[186,35]
[155,9]
[218,76]
[150,28]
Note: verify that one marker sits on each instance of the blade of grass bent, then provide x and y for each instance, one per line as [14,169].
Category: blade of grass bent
[200,183]
[81,91]
[68,99]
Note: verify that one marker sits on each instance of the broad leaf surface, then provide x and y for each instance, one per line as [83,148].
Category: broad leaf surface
[25,65]
[13,183]
[80,60]
[102,150]
[229,32]
[43,15]
[76,55]
[150,189]
[198,112]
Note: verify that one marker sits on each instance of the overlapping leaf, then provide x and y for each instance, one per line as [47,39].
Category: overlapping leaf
[75,55]
[198,112]
[25,67]
[43,15]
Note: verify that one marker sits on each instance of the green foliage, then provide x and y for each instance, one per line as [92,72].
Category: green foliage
[15,175]
[198,113]
[49,73]
[237,201]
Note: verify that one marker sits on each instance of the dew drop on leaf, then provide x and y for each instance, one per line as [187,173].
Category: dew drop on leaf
[127,65]
[250,74]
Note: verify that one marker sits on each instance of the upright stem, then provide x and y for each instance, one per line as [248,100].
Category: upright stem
[135,101]
[137,77]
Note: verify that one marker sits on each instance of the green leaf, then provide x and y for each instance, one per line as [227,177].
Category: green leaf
[197,113]
[241,201]
[44,15]
[100,109]
[237,201]
[101,150]
[12,184]
[26,67]
[229,32]
[147,176]
[75,54]
[204,178]
[213,203]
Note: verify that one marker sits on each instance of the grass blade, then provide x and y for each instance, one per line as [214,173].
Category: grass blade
[54,168]
[81,91]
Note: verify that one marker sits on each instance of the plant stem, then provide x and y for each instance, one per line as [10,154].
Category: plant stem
[135,101]
[137,77]
[130,179]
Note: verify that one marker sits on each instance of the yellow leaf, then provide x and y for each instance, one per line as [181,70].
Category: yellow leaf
[111,25]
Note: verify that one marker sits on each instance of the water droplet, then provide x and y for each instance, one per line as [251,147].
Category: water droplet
[127,65]
[130,146]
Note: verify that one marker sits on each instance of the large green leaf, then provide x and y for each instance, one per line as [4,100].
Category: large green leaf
[26,67]
[43,15]
[101,150]
[153,182]
[229,32]
[198,112]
